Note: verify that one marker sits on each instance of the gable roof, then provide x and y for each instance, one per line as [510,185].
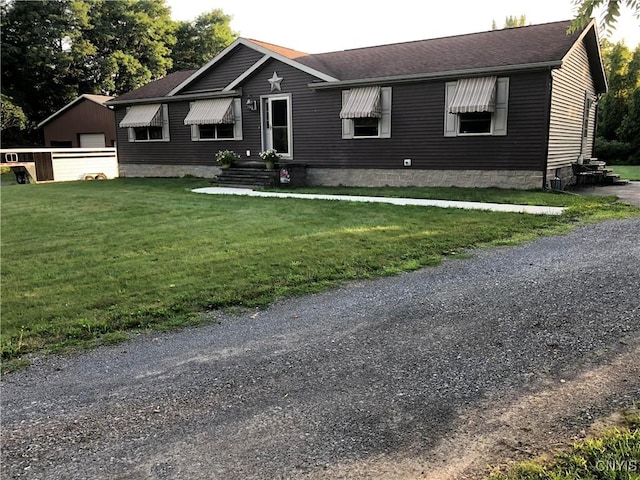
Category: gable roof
[99,99]
[284,51]
[535,44]
[158,88]
[511,49]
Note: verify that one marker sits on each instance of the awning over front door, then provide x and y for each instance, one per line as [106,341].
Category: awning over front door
[363,102]
[474,95]
[143,116]
[211,111]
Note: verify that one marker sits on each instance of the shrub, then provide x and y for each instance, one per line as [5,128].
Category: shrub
[614,152]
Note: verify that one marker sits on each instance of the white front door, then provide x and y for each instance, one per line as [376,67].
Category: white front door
[276,124]
[92,140]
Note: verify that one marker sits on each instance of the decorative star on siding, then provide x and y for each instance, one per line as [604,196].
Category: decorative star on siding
[275,82]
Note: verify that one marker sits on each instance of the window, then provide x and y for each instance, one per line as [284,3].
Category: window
[215,119]
[147,133]
[147,123]
[366,112]
[474,123]
[365,127]
[214,132]
[476,106]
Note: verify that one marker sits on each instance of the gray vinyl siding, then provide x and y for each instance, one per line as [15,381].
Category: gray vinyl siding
[180,150]
[567,106]
[417,118]
[417,132]
[226,71]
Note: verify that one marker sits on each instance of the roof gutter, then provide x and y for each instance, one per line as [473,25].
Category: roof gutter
[177,98]
[436,75]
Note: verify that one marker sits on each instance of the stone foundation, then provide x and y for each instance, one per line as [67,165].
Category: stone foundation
[152,170]
[367,177]
[408,177]
[565,174]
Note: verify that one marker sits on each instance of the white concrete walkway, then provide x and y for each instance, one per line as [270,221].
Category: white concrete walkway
[495,207]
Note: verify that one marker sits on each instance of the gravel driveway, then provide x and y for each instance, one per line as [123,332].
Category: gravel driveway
[429,374]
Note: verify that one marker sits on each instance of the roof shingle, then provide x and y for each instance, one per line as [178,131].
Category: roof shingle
[498,48]
[159,88]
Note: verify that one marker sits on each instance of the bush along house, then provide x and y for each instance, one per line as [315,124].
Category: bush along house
[510,108]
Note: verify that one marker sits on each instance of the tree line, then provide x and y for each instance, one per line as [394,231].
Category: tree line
[618,130]
[55,50]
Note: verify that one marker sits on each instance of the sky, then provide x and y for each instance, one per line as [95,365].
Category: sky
[316,26]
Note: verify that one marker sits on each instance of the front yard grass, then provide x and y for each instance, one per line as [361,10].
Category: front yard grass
[627,172]
[84,263]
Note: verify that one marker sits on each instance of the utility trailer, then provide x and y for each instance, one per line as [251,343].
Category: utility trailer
[38,165]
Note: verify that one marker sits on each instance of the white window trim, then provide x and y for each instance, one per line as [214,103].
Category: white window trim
[237,126]
[384,122]
[498,118]
[165,129]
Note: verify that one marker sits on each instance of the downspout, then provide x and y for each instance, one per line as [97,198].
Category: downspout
[546,142]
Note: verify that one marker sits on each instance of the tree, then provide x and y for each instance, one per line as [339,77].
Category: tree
[131,44]
[55,50]
[618,114]
[511,22]
[629,130]
[585,9]
[200,40]
[623,78]
[38,64]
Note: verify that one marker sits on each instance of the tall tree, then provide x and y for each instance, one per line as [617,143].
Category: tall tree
[618,137]
[38,64]
[586,8]
[200,40]
[54,50]
[132,41]
[622,67]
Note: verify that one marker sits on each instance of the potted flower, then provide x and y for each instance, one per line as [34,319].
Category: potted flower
[270,157]
[226,158]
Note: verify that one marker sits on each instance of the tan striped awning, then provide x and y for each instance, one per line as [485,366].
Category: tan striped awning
[474,95]
[207,112]
[363,102]
[143,116]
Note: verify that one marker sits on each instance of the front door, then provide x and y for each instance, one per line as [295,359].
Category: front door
[277,125]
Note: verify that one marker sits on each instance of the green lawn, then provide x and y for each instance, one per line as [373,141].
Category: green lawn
[85,262]
[627,172]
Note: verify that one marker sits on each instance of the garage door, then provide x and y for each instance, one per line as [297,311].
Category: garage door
[92,140]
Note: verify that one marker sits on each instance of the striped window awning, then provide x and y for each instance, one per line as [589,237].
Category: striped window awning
[212,111]
[363,102]
[143,116]
[474,95]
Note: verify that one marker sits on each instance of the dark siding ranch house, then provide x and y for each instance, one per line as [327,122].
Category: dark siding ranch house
[510,108]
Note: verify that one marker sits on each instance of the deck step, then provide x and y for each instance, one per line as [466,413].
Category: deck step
[246,177]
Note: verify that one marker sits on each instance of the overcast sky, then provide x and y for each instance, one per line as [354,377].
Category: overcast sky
[316,26]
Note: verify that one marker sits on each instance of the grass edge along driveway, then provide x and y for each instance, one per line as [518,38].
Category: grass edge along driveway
[84,263]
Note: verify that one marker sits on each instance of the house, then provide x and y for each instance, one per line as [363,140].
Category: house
[85,122]
[511,108]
